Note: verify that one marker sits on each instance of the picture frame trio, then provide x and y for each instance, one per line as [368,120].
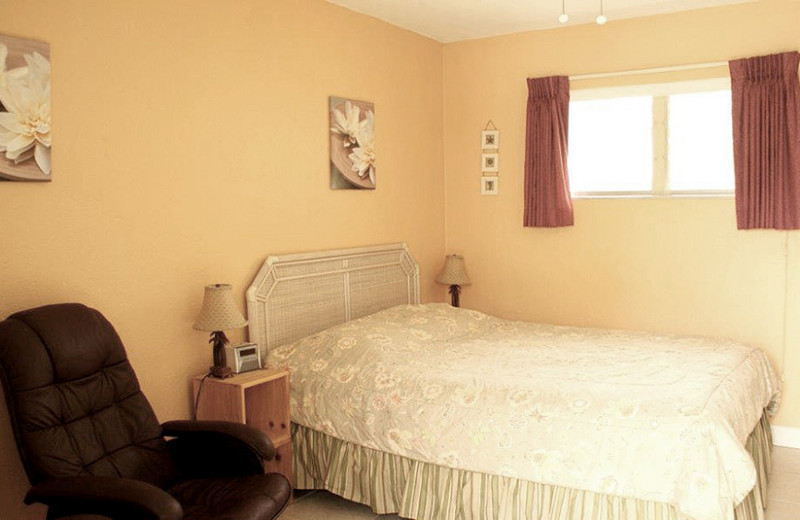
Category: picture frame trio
[490,160]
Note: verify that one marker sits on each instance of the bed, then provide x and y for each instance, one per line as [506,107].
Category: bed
[434,412]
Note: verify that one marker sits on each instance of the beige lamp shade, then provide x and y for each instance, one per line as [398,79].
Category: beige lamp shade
[219,312]
[453,272]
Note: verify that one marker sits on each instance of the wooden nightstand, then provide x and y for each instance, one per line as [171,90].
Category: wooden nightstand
[260,399]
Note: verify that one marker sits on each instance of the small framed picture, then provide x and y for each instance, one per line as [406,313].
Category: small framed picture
[490,162]
[490,185]
[490,139]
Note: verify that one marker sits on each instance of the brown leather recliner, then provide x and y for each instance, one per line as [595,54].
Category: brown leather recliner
[90,442]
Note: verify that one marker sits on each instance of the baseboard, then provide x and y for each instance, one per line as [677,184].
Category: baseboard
[786,436]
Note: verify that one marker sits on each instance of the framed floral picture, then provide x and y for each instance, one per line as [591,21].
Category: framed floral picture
[352,132]
[490,139]
[25,139]
[490,185]
[490,162]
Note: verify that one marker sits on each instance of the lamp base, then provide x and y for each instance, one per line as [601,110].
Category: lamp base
[220,372]
[455,290]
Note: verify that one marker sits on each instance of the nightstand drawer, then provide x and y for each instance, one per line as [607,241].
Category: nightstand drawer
[282,463]
[267,408]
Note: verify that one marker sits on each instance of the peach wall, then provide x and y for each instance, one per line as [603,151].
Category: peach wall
[191,140]
[675,265]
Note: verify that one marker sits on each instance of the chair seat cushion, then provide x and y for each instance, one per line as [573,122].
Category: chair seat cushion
[255,497]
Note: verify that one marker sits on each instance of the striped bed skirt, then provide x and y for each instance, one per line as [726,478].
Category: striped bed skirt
[412,489]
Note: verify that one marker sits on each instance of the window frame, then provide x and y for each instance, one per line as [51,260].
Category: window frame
[660,93]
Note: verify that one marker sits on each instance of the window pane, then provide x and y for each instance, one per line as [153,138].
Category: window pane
[611,145]
[700,141]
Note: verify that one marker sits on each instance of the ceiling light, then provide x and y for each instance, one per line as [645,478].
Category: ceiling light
[601,18]
[564,17]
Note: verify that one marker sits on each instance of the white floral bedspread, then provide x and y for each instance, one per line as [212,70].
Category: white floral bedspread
[655,417]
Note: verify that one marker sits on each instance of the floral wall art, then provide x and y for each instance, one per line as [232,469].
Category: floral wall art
[24,109]
[352,144]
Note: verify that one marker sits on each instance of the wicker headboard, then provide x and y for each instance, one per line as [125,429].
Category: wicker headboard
[296,295]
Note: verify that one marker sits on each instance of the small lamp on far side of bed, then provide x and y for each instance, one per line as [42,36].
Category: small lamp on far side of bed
[455,275]
[219,313]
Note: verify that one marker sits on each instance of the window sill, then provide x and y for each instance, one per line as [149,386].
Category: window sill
[651,195]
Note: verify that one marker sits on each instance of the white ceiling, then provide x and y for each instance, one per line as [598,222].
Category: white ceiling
[454,20]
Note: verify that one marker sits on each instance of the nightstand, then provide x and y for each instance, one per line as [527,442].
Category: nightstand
[259,399]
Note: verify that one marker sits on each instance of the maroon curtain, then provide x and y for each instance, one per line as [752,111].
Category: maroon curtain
[766,141]
[547,199]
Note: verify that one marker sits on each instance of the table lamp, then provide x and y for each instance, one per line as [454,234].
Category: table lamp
[219,314]
[455,275]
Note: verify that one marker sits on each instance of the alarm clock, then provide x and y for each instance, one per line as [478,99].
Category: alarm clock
[243,357]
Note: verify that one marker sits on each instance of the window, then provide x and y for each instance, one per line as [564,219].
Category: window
[652,145]
[700,141]
[611,145]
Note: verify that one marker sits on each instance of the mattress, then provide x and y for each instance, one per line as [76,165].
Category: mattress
[654,417]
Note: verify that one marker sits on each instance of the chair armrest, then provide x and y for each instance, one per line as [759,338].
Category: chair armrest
[211,432]
[118,498]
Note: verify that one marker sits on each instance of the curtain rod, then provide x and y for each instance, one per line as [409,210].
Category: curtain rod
[649,71]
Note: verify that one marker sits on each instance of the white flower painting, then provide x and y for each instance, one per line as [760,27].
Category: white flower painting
[25,139]
[352,134]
